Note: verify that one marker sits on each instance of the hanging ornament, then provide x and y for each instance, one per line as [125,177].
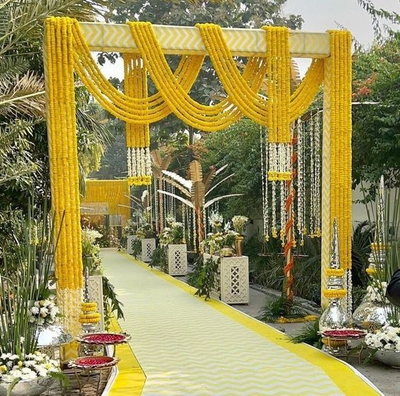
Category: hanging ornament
[301,189]
[317,179]
[264,182]
[137,135]
[312,177]
[335,316]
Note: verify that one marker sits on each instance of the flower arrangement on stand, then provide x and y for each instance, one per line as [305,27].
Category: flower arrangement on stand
[171,254]
[145,231]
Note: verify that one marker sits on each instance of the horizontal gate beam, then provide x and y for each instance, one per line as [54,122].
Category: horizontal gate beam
[187,40]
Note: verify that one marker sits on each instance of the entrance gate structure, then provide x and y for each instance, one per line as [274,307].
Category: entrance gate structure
[269,51]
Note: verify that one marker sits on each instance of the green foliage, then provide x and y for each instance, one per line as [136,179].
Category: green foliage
[309,335]
[159,258]
[23,145]
[363,235]
[238,147]
[137,248]
[376,120]
[279,307]
[203,276]
[111,303]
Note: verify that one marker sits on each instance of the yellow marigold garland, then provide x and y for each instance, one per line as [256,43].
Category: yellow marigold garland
[340,151]
[334,272]
[335,293]
[137,135]
[154,108]
[63,165]
[278,87]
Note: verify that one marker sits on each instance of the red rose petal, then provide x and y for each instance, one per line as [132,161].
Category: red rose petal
[93,360]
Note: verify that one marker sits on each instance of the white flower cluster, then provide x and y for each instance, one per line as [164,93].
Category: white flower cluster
[239,223]
[44,312]
[376,292]
[27,367]
[387,338]
[216,220]
[90,235]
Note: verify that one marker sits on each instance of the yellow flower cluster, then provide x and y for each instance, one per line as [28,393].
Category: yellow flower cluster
[59,58]
[370,271]
[337,293]
[90,318]
[340,147]
[87,307]
[113,192]
[135,86]
[279,176]
[278,85]
[139,180]
[334,272]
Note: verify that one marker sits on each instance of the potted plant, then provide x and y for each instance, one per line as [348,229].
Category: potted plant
[24,282]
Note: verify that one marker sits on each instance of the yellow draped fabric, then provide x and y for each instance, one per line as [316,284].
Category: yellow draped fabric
[113,193]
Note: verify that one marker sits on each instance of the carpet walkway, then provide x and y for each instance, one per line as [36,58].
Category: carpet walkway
[187,346]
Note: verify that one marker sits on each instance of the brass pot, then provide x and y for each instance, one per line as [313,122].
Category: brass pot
[239,241]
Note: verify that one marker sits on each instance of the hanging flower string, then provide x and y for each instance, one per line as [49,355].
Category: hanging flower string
[137,135]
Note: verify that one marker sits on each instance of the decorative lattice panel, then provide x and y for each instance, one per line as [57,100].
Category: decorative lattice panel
[177,259]
[96,295]
[130,240]
[148,247]
[235,280]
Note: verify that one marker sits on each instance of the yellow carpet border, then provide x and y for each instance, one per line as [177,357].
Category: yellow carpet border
[342,374]
[130,378]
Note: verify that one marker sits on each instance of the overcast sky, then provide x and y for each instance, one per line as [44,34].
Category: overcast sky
[319,16]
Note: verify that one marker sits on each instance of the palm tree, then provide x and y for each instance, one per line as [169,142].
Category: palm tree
[23,146]
[196,190]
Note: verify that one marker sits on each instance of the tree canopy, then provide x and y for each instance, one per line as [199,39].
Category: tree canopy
[376,112]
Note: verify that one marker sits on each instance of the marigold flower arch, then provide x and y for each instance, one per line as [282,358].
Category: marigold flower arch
[67,49]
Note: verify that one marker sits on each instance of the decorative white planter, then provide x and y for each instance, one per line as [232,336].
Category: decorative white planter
[148,247]
[177,259]
[130,240]
[96,295]
[232,280]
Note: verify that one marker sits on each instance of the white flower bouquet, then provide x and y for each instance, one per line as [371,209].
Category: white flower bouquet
[239,223]
[216,220]
[14,368]
[44,312]
[387,338]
